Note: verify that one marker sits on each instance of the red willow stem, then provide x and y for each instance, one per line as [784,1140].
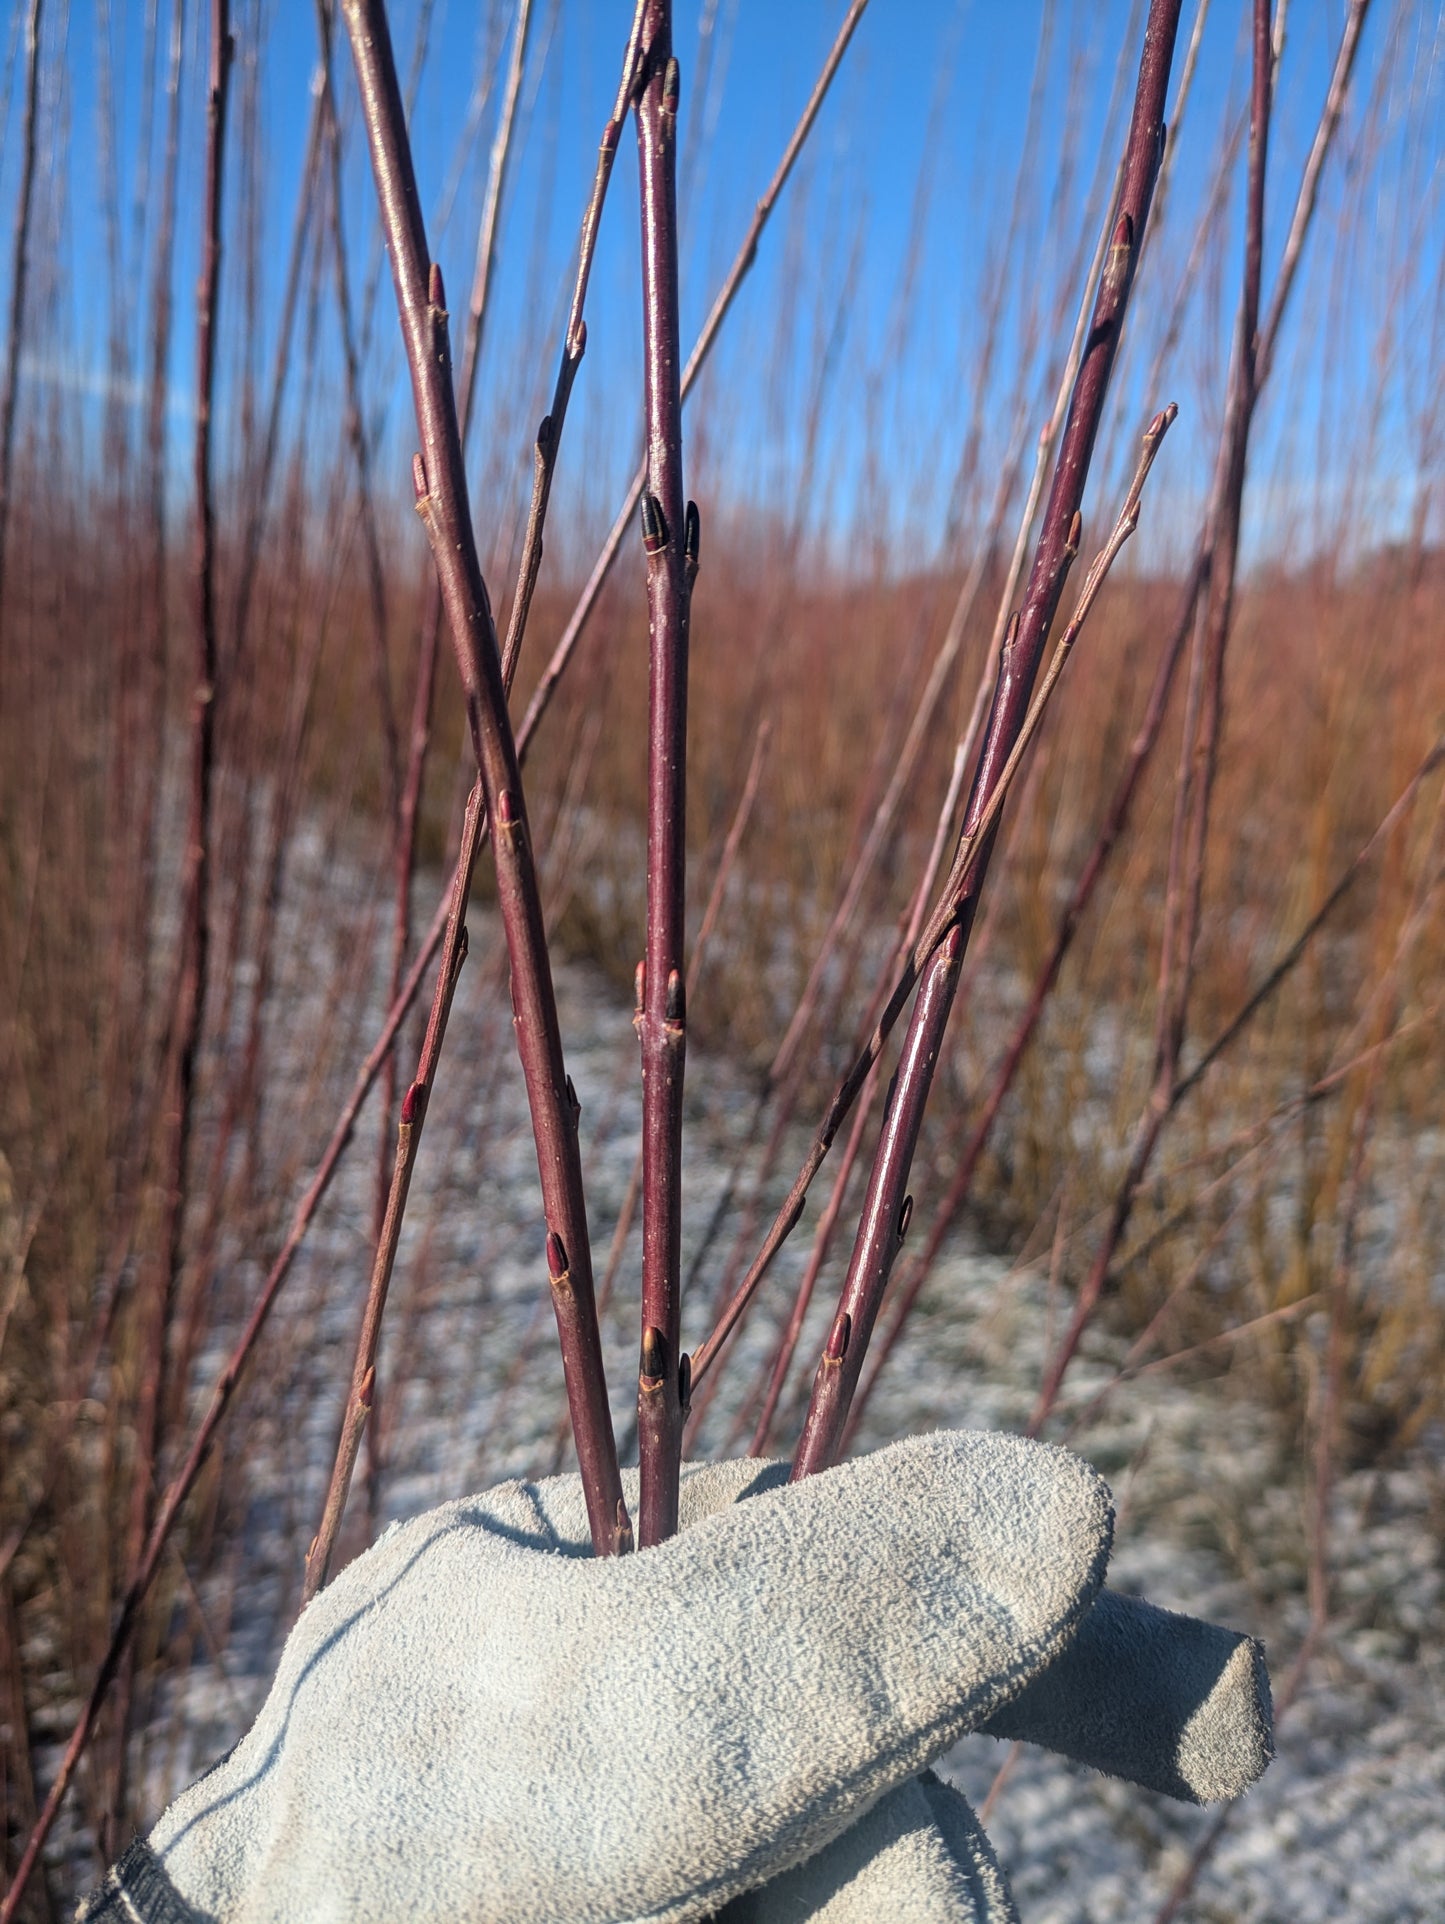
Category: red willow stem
[1021,655]
[1200,738]
[397,1180]
[888,1207]
[442,502]
[670,540]
[20,258]
[547,448]
[1142,747]
[1206,691]
[397,788]
[412,783]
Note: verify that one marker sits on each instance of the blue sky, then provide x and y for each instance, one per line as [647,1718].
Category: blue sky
[847,387]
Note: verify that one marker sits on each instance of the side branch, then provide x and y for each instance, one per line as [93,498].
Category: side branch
[408,1144]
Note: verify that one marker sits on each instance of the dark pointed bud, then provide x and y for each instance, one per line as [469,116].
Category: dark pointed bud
[654,524]
[692,535]
[572,1100]
[684,1382]
[654,1358]
[544,436]
[838,1337]
[639,988]
[464,943]
[435,292]
[671,86]
[1076,533]
[412,1102]
[622,1534]
[905,1217]
[556,1257]
[674,1010]
[418,477]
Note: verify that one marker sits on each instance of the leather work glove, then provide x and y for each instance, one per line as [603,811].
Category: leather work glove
[478,1720]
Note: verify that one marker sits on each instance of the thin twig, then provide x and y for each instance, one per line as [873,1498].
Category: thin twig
[574,345]
[19,262]
[356,433]
[905,761]
[727,294]
[413,1113]
[486,257]
[297,261]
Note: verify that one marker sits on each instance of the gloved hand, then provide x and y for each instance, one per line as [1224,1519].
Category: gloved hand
[478,1720]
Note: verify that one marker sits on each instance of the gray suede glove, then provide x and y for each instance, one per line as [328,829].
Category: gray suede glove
[480,1721]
